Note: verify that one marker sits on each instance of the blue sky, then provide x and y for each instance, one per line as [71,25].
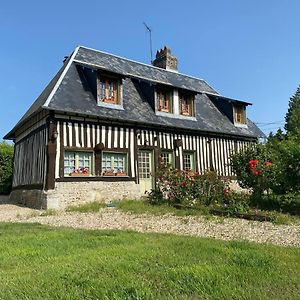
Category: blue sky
[248,50]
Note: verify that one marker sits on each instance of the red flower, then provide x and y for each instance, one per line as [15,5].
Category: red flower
[268,164]
[183,184]
[257,172]
[253,163]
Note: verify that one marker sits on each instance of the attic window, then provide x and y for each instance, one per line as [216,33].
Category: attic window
[108,90]
[239,114]
[186,104]
[164,100]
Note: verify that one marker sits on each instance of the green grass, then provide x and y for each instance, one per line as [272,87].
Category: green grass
[144,207]
[86,207]
[40,262]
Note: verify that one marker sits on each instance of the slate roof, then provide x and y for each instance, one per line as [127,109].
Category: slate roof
[72,91]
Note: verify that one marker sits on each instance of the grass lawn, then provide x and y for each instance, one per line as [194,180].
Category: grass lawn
[40,262]
[144,207]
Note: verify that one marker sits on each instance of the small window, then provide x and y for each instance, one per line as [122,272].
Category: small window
[186,104]
[164,100]
[188,161]
[108,90]
[240,114]
[114,164]
[78,163]
[166,158]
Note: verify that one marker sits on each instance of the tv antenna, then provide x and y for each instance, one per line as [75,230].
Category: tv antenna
[150,35]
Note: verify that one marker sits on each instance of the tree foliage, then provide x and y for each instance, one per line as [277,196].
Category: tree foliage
[292,118]
[6,167]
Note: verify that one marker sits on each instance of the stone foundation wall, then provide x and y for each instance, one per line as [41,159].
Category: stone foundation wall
[30,198]
[73,193]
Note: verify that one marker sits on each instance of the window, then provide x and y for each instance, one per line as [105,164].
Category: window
[186,104]
[166,158]
[240,114]
[188,161]
[78,163]
[108,90]
[114,164]
[164,100]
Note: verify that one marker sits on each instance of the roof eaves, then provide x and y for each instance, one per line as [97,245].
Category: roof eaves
[227,98]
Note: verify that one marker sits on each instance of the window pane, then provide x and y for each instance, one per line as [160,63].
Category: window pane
[114,164]
[77,163]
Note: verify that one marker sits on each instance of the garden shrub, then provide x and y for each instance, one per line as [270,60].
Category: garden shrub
[6,167]
[187,188]
[254,169]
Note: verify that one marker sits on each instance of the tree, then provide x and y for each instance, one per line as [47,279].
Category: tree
[292,117]
[6,167]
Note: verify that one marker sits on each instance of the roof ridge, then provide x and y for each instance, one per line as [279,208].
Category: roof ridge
[144,64]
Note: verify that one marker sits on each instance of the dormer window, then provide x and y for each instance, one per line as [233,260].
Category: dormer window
[186,104]
[108,90]
[164,100]
[239,112]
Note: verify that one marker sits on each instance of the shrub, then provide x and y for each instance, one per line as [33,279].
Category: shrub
[254,169]
[187,188]
[6,167]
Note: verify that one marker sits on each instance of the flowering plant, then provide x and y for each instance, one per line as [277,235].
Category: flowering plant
[188,187]
[80,170]
[254,169]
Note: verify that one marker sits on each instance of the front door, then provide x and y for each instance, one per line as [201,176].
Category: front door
[145,171]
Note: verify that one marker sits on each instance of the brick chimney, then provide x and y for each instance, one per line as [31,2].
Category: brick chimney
[165,60]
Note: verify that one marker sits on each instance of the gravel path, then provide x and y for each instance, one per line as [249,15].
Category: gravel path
[111,218]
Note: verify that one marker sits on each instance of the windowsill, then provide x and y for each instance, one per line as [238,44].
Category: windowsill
[240,125]
[175,116]
[110,105]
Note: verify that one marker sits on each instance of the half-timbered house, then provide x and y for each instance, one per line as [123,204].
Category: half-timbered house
[104,123]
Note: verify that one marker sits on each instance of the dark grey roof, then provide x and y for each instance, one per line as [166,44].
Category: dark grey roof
[73,91]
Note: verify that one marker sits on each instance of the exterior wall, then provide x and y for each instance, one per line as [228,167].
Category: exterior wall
[81,135]
[30,159]
[74,193]
[210,152]
[30,163]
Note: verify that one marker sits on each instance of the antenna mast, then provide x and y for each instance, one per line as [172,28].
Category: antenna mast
[150,33]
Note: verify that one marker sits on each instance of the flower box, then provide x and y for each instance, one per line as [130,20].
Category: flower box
[79,174]
[121,174]
[109,174]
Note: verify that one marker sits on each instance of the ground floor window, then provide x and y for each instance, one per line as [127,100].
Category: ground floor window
[188,161]
[78,163]
[114,164]
[166,158]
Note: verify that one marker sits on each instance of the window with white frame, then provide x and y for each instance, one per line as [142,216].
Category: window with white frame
[188,161]
[114,164]
[166,158]
[78,163]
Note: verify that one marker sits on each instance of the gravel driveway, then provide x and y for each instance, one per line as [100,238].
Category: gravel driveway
[111,218]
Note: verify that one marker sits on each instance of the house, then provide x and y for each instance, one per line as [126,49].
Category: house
[104,123]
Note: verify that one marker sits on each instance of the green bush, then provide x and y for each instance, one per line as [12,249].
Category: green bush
[187,188]
[254,168]
[6,167]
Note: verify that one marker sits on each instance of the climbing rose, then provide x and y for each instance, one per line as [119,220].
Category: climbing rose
[183,184]
[253,163]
